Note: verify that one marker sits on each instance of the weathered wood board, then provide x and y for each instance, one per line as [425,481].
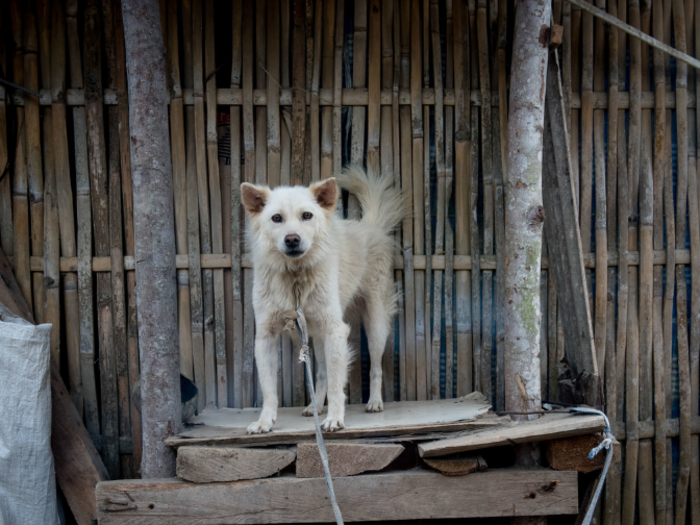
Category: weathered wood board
[344,459]
[550,426]
[208,464]
[414,494]
[228,425]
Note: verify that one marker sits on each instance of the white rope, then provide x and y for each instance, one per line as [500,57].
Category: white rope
[607,443]
[304,358]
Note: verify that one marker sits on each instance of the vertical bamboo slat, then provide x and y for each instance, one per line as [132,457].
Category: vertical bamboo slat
[236,223]
[215,206]
[55,125]
[20,202]
[436,340]
[100,214]
[35,173]
[84,234]
[427,213]
[178,150]
[128,209]
[116,238]
[449,181]
[416,387]
[462,195]
[6,230]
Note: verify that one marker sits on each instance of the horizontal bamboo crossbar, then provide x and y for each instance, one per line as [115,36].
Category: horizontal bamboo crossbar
[461,262]
[359,97]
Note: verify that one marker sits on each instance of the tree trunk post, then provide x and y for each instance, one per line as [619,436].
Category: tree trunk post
[154,232]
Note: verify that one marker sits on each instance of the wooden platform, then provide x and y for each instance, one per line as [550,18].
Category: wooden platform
[407,495]
[228,425]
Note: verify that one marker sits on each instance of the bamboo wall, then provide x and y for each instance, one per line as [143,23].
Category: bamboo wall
[287,92]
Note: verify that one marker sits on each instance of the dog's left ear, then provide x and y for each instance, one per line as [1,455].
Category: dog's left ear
[325,193]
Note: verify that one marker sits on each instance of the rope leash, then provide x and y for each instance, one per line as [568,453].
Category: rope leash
[304,358]
[607,443]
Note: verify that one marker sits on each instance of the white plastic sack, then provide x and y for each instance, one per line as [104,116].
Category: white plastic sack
[27,477]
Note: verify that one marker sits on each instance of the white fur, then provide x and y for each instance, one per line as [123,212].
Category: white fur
[345,270]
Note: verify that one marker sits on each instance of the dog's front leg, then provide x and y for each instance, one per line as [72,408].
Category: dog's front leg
[266,360]
[337,358]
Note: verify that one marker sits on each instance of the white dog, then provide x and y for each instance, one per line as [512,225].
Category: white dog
[337,266]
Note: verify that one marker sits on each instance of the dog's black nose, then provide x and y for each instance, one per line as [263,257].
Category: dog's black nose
[292,240]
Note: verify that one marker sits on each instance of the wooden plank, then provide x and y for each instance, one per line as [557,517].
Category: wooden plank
[345,459]
[414,495]
[229,425]
[208,464]
[572,453]
[562,231]
[457,466]
[547,427]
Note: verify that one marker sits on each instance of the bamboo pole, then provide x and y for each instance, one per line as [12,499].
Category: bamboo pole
[193,217]
[20,203]
[328,76]
[389,158]
[313,128]
[56,56]
[407,358]
[179,164]
[427,213]
[695,292]
[601,220]
[203,200]
[100,209]
[462,196]
[660,377]
[236,223]
[576,74]
[357,157]
[299,98]
[449,232]
[129,240]
[35,173]
[436,341]
[632,355]
[247,363]
[84,236]
[416,387]
[215,203]
[681,287]
[116,240]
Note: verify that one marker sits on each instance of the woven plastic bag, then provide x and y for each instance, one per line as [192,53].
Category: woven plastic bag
[27,476]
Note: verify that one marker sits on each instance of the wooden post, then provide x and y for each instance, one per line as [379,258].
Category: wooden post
[524,212]
[524,216]
[154,233]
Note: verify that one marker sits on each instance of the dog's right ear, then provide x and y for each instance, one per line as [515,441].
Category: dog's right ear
[254,197]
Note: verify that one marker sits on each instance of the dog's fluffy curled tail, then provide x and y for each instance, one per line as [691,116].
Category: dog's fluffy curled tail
[382,203]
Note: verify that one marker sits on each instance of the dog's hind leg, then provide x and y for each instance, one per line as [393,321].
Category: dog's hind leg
[321,386]
[377,321]
[266,360]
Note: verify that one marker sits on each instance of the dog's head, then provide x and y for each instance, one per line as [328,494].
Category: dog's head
[290,220]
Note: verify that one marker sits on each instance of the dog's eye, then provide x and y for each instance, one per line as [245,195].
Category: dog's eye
[276,218]
[307,215]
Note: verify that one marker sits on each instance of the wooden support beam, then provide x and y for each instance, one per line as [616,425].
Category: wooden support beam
[345,459]
[572,453]
[562,230]
[414,494]
[207,464]
[550,426]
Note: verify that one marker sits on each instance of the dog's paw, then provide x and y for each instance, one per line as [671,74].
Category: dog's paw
[309,411]
[375,406]
[331,424]
[260,427]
